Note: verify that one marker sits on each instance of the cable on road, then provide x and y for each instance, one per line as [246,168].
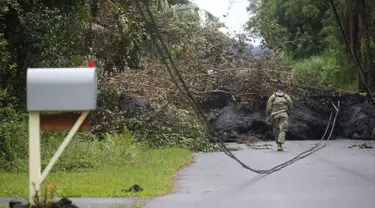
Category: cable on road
[165,55]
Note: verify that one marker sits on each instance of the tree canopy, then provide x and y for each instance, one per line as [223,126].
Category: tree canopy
[43,33]
[308,28]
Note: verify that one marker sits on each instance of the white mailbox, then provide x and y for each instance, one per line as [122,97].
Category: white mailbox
[61,89]
[56,89]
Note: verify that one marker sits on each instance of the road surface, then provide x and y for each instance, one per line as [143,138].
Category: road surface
[336,176]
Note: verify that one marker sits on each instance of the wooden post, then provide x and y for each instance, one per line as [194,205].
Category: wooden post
[34,154]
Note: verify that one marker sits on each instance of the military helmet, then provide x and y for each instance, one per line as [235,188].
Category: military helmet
[280,85]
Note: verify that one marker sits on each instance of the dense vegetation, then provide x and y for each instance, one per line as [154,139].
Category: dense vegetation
[307,48]
[308,31]
[40,33]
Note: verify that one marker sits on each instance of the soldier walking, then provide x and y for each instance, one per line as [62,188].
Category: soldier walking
[279,107]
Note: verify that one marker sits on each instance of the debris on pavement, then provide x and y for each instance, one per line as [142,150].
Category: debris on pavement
[260,146]
[62,203]
[362,146]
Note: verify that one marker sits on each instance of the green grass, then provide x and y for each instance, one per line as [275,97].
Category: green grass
[155,174]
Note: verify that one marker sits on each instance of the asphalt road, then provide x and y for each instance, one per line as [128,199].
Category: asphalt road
[334,177]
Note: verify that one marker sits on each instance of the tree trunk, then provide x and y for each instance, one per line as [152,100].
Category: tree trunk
[370,77]
[353,22]
[368,27]
[357,43]
[350,24]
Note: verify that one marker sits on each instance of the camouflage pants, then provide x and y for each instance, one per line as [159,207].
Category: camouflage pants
[280,127]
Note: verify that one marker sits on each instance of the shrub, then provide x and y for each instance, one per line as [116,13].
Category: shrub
[311,71]
[84,151]
[107,118]
[343,73]
[13,140]
[121,148]
[325,69]
[173,127]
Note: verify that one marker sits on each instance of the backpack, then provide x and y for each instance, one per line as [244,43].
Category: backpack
[283,95]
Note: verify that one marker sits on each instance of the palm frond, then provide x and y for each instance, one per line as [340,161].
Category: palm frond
[190,9]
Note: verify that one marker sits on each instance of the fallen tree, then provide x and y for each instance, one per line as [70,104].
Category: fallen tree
[233,100]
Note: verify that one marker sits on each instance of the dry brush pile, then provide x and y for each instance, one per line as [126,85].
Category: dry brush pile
[215,78]
[170,119]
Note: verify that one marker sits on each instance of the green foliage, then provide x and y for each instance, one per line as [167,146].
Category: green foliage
[66,33]
[312,71]
[339,71]
[323,70]
[13,140]
[291,25]
[308,28]
[84,151]
[170,127]
[174,128]
[173,2]
[36,34]
[122,148]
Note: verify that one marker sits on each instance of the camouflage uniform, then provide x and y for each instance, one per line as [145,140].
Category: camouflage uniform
[278,109]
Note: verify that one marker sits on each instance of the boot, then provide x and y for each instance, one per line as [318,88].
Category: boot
[279,147]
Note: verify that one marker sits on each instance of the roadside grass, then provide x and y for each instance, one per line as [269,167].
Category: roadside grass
[155,174]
